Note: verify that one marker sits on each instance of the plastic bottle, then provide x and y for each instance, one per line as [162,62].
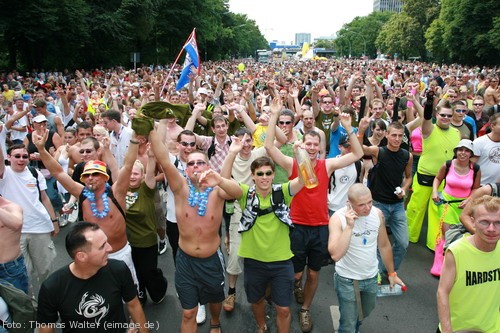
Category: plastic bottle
[385,290]
[306,170]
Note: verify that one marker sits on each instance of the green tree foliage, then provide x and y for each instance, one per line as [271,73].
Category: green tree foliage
[401,35]
[360,34]
[469,30]
[324,43]
[93,33]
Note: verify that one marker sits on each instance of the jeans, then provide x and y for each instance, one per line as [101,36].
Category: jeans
[15,273]
[349,321]
[395,218]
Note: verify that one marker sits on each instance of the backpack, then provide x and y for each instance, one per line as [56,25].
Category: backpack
[22,308]
[211,149]
[35,174]
[277,200]
[372,173]
[331,183]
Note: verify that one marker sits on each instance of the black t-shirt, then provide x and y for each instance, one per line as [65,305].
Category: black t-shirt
[87,305]
[389,175]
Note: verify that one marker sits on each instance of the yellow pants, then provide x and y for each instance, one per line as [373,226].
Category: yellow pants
[421,202]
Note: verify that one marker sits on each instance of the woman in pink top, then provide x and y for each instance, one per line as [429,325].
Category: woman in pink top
[462,178]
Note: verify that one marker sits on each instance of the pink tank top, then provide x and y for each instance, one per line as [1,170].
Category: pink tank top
[416,140]
[458,186]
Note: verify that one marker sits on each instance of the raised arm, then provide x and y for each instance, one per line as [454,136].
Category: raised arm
[160,150]
[120,187]
[54,167]
[276,155]
[356,150]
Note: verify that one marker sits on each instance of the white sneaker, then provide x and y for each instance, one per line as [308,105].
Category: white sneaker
[201,316]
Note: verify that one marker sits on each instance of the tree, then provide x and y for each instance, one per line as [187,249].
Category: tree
[466,30]
[359,35]
[401,35]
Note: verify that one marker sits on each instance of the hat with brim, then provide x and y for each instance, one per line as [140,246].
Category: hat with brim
[93,167]
[465,143]
[39,119]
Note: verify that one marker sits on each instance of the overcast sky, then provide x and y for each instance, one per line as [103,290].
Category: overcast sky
[281,19]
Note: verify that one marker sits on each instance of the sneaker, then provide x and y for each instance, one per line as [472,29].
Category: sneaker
[201,316]
[298,292]
[305,320]
[162,247]
[229,302]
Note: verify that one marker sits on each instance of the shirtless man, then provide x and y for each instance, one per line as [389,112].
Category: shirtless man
[491,94]
[198,203]
[172,132]
[96,197]
[12,267]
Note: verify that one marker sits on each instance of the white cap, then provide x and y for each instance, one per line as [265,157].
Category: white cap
[202,91]
[39,119]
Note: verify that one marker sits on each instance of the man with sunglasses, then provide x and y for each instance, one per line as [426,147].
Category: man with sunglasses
[459,121]
[199,198]
[98,201]
[18,185]
[310,236]
[265,242]
[438,142]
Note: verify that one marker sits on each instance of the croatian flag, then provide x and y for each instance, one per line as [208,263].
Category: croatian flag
[192,61]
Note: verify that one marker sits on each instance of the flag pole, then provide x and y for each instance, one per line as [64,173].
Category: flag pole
[176,59]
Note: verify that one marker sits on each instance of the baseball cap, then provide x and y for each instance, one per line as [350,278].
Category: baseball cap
[39,119]
[202,91]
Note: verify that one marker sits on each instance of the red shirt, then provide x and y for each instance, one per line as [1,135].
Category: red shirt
[309,206]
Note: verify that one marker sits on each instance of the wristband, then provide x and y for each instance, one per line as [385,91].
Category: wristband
[134,142]
[54,220]
[352,132]
[392,274]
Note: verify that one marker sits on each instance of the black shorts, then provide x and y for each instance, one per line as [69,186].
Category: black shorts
[199,280]
[259,274]
[309,246]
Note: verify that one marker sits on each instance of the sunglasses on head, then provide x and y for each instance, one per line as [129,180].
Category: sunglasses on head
[262,173]
[187,144]
[198,163]
[24,157]
[285,122]
[444,115]
[86,151]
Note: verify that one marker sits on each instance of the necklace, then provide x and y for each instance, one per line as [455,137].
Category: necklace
[199,198]
[90,195]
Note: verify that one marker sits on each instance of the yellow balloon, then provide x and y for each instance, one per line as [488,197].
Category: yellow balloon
[241,67]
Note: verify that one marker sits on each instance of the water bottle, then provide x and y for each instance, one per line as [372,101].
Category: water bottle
[385,290]
[306,170]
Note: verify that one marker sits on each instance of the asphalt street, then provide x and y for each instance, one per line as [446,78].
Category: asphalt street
[413,312]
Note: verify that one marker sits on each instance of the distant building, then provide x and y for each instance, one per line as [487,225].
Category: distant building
[302,38]
[331,37]
[387,5]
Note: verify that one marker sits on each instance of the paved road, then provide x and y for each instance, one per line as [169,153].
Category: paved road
[415,311]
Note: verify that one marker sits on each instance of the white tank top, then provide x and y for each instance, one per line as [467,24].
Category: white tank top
[360,261]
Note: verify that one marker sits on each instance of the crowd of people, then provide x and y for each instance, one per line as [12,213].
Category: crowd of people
[138,163]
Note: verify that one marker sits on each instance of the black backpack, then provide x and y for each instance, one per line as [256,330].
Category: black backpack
[211,149]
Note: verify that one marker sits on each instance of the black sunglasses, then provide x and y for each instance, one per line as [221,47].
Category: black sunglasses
[87,151]
[285,122]
[444,115]
[262,173]
[24,157]
[187,144]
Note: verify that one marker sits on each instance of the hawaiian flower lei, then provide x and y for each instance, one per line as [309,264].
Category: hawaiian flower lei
[90,195]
